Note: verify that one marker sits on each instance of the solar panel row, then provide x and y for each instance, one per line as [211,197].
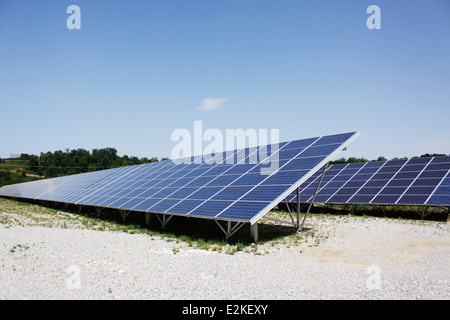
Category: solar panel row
[421,181]
[232,190]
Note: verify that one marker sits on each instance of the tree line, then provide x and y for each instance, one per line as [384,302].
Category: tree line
[60,163]
[355,160]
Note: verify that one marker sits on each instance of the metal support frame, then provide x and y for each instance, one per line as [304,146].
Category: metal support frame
[124,214]
[147,218]
[383,209]
[424,212]
[298,207]
[297,224]
[230,229]
[165,220]
[281,221]
[353,209]
[290,213]
[80,207]
[98,211]
[254,232]
[314,196]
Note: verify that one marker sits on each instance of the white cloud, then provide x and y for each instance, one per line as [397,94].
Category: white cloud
[210,104]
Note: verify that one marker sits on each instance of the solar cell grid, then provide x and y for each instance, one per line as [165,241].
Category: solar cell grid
[413,182]
[230,190]
[208,208]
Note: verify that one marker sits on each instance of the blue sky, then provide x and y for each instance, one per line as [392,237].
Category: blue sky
[138,70]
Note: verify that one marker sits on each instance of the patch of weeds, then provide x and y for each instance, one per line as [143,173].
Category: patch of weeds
[19,248]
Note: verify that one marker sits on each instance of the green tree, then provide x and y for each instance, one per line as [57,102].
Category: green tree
[103,158]
[426,155]
[33,164]
[24,156]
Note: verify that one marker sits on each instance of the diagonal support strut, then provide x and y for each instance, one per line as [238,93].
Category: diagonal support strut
[300,227]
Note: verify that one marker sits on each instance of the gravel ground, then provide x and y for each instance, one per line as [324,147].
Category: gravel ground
[356,258]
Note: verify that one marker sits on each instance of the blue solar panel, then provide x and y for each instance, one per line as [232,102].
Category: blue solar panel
[250,179]
[163,205]
[408,175]
[439,199]
[413,182]
[286,177]
[232,190]
[347,190]
[185,206]
[210,208]
[394,190]
[354,183]
[204,193]
[400,183]
[385,199]
[263,193]
[182,193]
[242,210]
[145,204]
[412,199]
[426,182]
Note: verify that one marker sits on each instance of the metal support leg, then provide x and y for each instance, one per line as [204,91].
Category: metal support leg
[147,218]
[254,231]
[124,214]
[230,229]
[289,210]
[424,212]
[164,220]
[314,196]
[98,211]
[298,208]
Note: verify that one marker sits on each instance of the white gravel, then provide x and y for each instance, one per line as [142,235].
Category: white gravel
[361,258]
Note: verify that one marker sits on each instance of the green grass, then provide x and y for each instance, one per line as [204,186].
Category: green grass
[193,233]
[8,177]
[12,171]
[188,232]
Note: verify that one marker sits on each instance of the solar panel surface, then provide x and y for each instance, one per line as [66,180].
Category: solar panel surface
[233,190]
[421,181]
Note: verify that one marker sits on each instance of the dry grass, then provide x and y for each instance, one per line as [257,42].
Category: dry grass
[193,233]
[273,236]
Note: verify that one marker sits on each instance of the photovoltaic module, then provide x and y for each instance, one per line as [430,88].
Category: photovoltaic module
[242,189]
[417,181]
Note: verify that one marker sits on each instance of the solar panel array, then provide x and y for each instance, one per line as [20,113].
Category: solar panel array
[421,181]
[232,190]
